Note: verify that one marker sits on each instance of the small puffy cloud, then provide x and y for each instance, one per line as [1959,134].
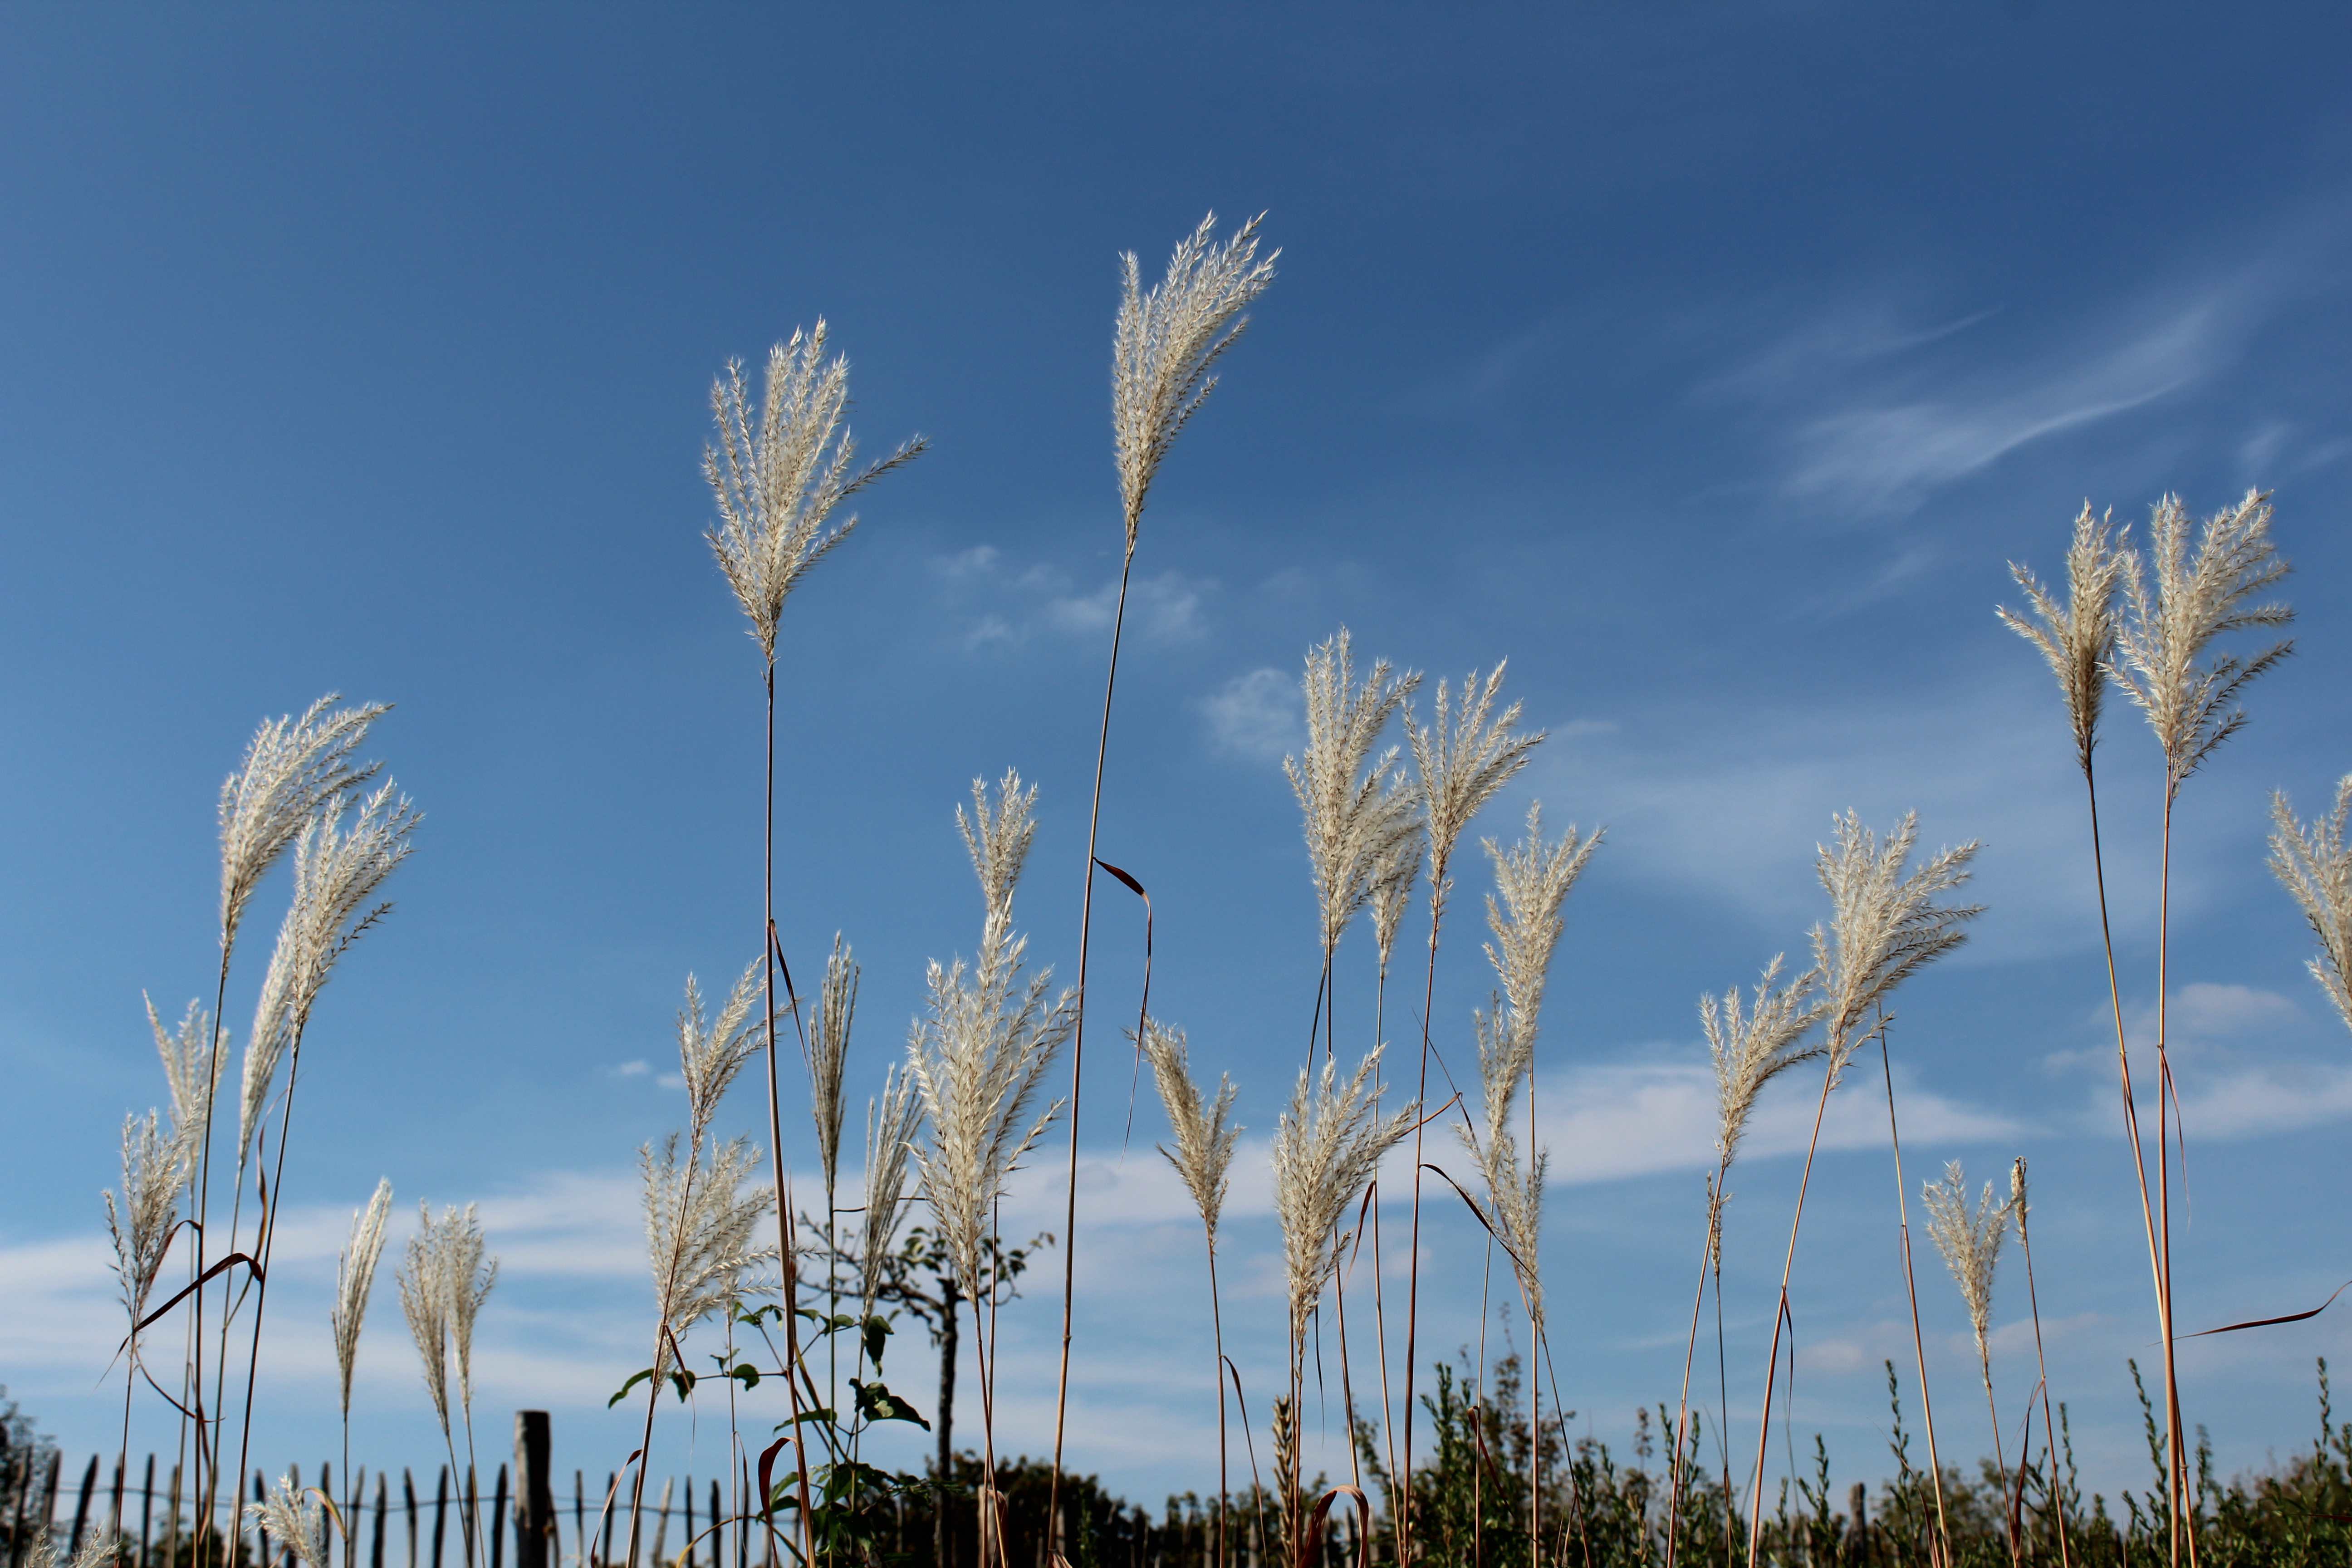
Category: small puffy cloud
[1256,716]
[2203,1010]
[636,1068]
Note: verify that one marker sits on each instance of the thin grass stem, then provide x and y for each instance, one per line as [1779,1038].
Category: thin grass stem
[1911,1287]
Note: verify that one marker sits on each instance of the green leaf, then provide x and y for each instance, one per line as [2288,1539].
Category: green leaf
[635,1378]
[877,1335]
[820,1414]
[877,1403]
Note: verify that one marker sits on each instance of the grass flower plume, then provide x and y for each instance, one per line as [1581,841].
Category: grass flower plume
[700,1220]
[1754,1044]
[192,1069]
[983,1045]
[778,476]
[443,1279]
[2313,863]
[1463,757]
[1884,924]
[1204,1132]
[2076,638]
[355,1282]
[702,1224]
[293,770]
[154,1174]
[337,873]
[1534,880]
[1326,1147]
[1970,1240]
[711,1052]
[296,1519]
[1393,883]
[2193,599]
[828,1048]
[891,1125]
[1358,812]
[1168,343]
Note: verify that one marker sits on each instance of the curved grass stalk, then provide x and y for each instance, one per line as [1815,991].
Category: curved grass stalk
[1163,355]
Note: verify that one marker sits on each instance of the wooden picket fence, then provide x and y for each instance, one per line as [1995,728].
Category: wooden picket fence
[391,1524]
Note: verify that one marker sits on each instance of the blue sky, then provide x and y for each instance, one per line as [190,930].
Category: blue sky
[1709,364]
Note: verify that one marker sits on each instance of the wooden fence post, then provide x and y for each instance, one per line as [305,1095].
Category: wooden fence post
[82,1507]
[497,1531]
[534,1492]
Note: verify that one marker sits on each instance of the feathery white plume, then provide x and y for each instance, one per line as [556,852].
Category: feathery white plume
[1462,759]
[295,1518]
[828,1051]
[1970,1240]
[2078,637]
[336,875]
[983,1044]
[1753,1045]
[1327,1146]
[2194,707]
[1358,811]
[1205,1134]
[891,1124]
[2314,864]
[355,1282]
[1168,341]
[293,770]
[154,1173]
[778,477]
[1885,925]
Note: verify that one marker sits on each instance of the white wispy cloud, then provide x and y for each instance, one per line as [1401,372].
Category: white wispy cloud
[1874,412]
[1258,717]
[1005,605]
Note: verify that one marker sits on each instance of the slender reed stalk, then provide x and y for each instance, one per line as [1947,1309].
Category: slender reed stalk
[1164,353]
[191,1072]
[156,1168]
[1885,927]
[978,1056]
[1969,1240]
[1203,1157]
[891,1123]
[1911,1294]
[1534,880]
[355,1284]
[701,1223]
[2018,1207]
[2077,639]
[1460,761]
[1357,807]
[777,478]
[1327,1145]
[1392,885]
[826,1050]
[1750,1046]
[424,1300]
[2192,708]
[293,768]
[472,1275]
[338,871]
